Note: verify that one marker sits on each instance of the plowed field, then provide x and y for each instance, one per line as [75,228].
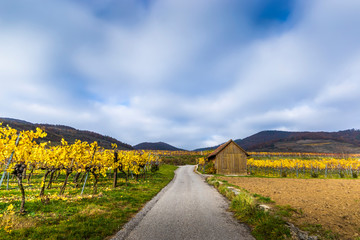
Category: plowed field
[333,203]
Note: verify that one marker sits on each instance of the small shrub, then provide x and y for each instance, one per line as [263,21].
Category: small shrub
[244,206]
[283,174]
[315,175]
[222,189]
[273,228]
[263,199]
[342,175]
[230,194]
[355,175]
[154,167]
[286,211]
[210,168]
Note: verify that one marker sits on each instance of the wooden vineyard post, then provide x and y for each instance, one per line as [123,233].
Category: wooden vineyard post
[7,185]
[297,171]
[274,171]
[326,169]
[10,159]
[87,172]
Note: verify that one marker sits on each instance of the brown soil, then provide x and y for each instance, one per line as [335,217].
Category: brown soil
[333,203]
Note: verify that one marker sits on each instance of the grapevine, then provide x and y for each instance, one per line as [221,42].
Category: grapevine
[19,151]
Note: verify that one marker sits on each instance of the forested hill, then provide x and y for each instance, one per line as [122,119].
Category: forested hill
[347,141]
[56,132]
[156,146]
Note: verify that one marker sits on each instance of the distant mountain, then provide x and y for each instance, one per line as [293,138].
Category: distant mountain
[56,132]
[347,141]
[156,146]
[206,148]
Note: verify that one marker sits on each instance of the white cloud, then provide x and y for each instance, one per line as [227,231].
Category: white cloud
[214,140]
[189,73]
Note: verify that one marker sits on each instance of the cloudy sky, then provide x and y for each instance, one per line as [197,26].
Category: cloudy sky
[190,73]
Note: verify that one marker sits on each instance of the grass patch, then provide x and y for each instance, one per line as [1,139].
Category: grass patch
[245,207]
[79,217]
[262,199]
[286,211]
[317,229]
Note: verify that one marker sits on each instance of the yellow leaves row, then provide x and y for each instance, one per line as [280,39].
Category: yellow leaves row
[303,154]
[177,153]
[79,157]
[330,163]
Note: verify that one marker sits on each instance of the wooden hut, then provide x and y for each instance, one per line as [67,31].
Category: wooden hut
[229,159]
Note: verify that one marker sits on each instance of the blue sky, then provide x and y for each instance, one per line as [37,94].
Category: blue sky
[190,73]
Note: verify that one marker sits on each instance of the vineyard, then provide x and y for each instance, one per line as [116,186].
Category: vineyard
[19,154]
[73,189]
[41,185]
[304,165]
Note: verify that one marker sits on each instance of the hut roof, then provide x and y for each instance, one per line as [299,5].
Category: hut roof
[221,147]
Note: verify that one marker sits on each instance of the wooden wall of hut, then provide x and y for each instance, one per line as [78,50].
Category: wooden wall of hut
[231,161]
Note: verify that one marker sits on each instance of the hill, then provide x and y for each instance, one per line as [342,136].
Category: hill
[156,146]
[56,132]
[347,141]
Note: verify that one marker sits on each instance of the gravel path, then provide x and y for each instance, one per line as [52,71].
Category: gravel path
[188,208]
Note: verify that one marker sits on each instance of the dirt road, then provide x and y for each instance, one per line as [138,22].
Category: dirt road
[187,209]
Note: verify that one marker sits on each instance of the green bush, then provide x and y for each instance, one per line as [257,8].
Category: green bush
[210,168]
[315,175]
[271,228]
[154,167]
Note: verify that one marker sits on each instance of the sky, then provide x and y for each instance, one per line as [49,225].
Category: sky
[189,73]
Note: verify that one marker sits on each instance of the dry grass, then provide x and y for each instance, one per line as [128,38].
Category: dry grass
[14,222]
[93,210]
